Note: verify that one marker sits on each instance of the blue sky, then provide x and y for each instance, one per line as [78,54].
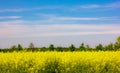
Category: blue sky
[59,22]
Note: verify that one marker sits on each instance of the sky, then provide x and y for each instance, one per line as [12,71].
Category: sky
[59,22]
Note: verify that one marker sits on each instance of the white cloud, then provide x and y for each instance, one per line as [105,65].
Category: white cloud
[30,9]
[54,17]
[10,17]
[76,18]
[10,23]
[76,7]
[74,33]
[103,7]
[13,10]
[45,15]
[83,18]
[89,6]
[113,5]
[56,30]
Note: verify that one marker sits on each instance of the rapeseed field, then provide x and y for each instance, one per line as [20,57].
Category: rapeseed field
[60,62]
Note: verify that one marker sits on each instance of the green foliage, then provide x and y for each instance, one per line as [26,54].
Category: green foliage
[99,47]
[118,40]
[72,47]
[51,47]
[109,47]
[43,49]
[19,47]
[88,48]
[31,47]
[59,49]
[82,47]
[117,44]
[13,48]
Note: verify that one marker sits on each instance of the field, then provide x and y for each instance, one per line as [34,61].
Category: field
[60,62]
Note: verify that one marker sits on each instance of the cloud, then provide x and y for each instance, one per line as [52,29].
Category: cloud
[31,9]
[74,33]
[76,18]
[50,19]
[48,7]
[61,7]
[19,30]
[113,5]
[11,23]
[108,6]
[89,6]
[54,18]
[85,18]
[46,15]
[10,17]
[13,10]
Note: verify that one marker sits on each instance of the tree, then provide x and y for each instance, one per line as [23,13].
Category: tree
[31,46]
[109,47]
[51,47]
[19,47]
[99,47]
[60,49]
[82,47]
[117,44]
[118,40]
[88,47]
[72,47]
[13,48]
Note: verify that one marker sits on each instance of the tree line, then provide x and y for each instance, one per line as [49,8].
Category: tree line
[110,47]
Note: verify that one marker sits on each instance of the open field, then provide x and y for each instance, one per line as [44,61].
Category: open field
[60,62]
